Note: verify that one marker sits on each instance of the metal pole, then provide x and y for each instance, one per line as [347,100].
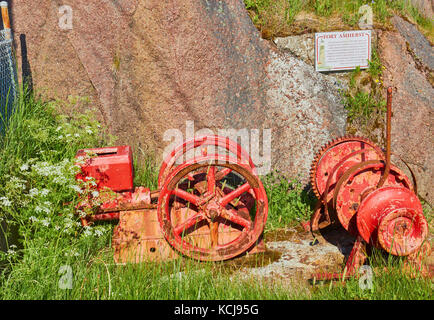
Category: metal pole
[6,20]
[11,94]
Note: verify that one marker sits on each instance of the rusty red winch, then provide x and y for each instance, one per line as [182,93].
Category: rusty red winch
[210,204]
[357,186]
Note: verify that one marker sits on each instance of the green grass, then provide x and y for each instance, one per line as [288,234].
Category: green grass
[388,282]
[276,17]
[46,242]
[289,203]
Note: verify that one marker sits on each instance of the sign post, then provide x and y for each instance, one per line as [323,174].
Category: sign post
[346,50]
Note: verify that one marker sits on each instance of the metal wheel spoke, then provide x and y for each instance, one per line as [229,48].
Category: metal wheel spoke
[190,222]
[222,173]
[214,233]
[210,179]
[234,194]
[233,216]
[186,196]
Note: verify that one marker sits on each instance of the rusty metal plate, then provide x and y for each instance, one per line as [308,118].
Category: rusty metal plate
[138,237]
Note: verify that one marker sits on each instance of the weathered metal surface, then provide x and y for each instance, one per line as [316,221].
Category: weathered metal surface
[386,208]
[111,167]
[214,204]
[372,199]
[324,170]
[356,184]
[218,221]
[139,199]
[138,237]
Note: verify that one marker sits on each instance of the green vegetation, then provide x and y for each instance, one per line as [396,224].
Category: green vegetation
[289,203]
[389,282]
[364,100]
[287,17]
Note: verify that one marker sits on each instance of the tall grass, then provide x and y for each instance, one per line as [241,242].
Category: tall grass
[37,197]
[389,282]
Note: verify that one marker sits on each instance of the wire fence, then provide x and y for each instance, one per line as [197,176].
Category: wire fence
[8,79]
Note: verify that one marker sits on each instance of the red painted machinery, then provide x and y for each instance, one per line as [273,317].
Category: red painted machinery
[372,199]
[212,206]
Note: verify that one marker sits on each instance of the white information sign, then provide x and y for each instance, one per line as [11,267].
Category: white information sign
[344,50]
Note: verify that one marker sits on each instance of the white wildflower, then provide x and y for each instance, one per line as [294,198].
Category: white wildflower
[45,222]
[44,192]
[87,231]
[81,213]
[5,202]
[18,183]
[95,194]
[58,128]
[24,167]
[76,188]
[42,209]
[98,233]
[33,219]
[33,192]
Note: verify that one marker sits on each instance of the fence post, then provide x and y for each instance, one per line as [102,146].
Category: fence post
[5,19]
[8,68]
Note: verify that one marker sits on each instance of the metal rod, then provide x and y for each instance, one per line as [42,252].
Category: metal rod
[388,137]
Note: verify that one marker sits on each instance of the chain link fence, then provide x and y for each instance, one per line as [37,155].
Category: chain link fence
[8,79]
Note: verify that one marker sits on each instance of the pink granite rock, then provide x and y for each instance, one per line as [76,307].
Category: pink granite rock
[413,110]
[149,66]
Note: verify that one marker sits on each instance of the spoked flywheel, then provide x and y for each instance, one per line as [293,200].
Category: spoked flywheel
[212,208]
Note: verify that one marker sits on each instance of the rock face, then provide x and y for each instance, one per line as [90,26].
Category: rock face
[149,66]
[420,46]
[412,106]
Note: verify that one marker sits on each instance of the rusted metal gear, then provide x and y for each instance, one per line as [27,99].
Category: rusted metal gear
[329,164]
[343,146]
